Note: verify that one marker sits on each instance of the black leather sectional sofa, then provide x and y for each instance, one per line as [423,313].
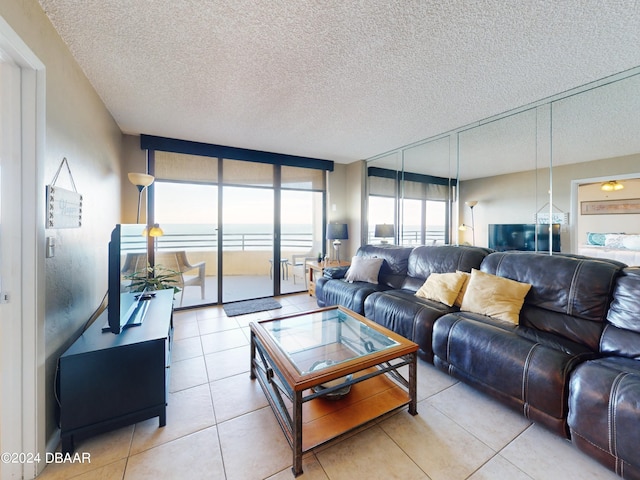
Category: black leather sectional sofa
[572,361]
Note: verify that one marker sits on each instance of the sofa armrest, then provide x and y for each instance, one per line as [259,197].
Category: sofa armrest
[335,272]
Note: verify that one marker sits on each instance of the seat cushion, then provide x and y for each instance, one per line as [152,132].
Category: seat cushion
[524,368]
[349,295]
[410,316]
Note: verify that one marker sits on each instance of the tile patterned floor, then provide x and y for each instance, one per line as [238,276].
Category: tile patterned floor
[219,426]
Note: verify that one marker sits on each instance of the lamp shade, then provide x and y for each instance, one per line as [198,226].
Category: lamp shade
[337,231]
[140,179]
[384,230]
[154,231]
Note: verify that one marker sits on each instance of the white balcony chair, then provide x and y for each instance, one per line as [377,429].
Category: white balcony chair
[299,267]
[179,262]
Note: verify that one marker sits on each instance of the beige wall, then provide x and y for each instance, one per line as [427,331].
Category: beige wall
[78,127]
[345,204]
[517,197]
[355,201]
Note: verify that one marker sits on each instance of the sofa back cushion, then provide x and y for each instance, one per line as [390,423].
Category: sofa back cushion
[426,260]
[569,295]
[621,335]
[394,265]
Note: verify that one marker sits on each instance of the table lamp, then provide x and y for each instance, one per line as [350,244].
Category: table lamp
[337,232]
[384,231]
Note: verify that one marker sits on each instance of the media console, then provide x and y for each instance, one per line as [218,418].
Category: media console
[107,381]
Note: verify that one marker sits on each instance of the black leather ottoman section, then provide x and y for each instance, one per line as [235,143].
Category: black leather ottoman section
[349,295]
[410,316]
[604,413]
[530,376]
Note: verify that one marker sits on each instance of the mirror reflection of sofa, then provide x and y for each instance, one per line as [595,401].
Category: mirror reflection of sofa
[566,354]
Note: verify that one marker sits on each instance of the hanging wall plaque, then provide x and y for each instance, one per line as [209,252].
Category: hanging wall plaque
[64,207]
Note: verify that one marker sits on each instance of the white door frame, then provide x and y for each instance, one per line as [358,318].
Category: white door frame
[575,207]
[22,405]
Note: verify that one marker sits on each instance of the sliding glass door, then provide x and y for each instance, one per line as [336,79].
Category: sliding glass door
[247,249]
[236,230]
[188,216]
[301,236]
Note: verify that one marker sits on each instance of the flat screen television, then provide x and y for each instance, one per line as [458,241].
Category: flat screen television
[523,236]
[123,309]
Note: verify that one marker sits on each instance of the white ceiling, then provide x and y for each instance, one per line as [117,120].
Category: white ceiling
[335,79]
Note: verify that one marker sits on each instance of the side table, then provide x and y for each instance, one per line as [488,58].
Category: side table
[316,269]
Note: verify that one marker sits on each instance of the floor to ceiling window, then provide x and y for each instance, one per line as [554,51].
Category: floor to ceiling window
[247,231]
[382,211]
[189,241]
[301,224]
[415,204]
[186,207]
[233,229]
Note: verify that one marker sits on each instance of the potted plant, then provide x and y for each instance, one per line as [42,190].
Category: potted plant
[153,278]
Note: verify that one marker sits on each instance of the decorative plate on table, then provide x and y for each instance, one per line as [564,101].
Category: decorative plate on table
[336,394]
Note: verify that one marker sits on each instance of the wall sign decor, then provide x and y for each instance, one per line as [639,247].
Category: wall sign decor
[64,207]
[610,207]
[544,217]
[556,217]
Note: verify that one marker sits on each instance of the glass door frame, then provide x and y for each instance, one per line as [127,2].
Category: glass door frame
[277,189]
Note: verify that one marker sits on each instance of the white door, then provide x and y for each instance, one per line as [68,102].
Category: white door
[10,274]
[22,102]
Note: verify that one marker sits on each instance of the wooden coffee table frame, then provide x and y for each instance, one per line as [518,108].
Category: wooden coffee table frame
[377,388]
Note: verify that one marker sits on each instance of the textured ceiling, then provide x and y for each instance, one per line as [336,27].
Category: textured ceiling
[335,79]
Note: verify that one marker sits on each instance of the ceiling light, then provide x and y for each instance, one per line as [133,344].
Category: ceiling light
[611,185]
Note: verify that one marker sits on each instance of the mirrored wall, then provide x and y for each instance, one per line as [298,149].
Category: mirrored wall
[510,182]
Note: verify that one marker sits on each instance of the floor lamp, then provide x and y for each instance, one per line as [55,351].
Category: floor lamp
[463,227]
[141,181]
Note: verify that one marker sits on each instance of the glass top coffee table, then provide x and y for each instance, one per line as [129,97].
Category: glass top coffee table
[329,371]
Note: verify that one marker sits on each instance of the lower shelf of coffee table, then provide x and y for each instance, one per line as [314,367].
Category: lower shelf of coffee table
[325,419]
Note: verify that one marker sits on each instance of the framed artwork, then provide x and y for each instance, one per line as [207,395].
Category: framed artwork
[610,207]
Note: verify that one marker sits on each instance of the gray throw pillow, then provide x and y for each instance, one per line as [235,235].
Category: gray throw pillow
[364,270]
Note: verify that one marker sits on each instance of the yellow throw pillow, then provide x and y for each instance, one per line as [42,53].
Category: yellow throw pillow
[494,296]
[442,287]
[467,276]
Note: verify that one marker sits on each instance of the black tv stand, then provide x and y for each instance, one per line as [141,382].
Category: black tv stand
[107,381]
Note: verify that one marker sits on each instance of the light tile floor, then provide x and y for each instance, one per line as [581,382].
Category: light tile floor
[219,426]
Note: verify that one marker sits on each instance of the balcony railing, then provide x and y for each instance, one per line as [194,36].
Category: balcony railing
[433,235]
[202,241]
